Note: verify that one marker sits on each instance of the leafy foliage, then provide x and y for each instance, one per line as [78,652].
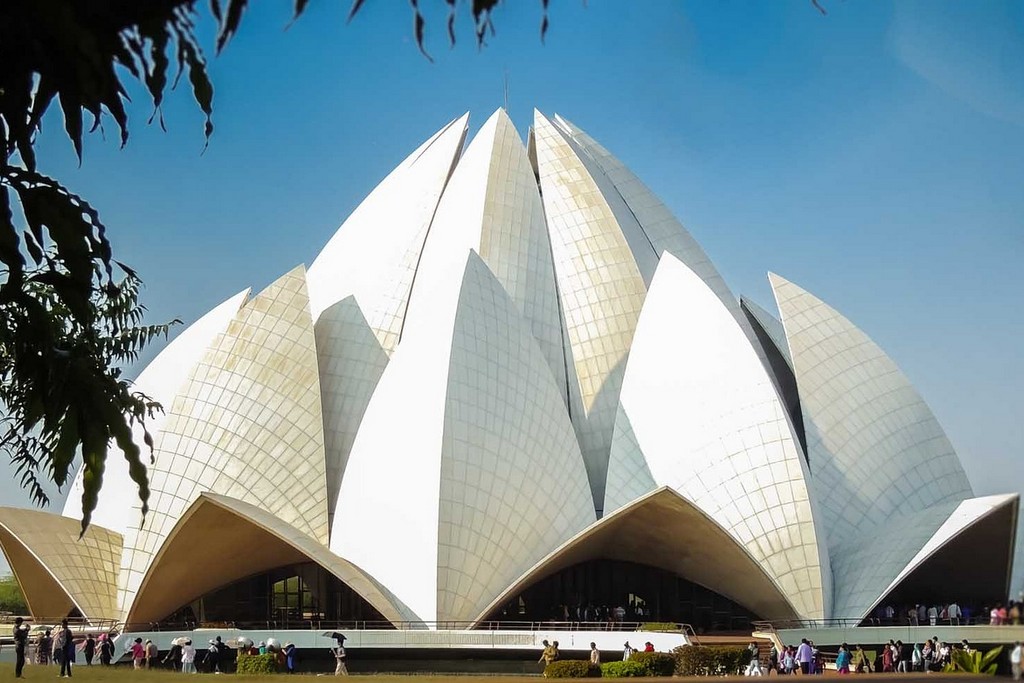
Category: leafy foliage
[256,665]
[663,626]
[627,669]
[572,668]
[974,662]
[655,663]
[11,598]
[709,660]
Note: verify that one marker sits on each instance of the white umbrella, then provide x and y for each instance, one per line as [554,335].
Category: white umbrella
[273,642]
[180,641]
[240,642]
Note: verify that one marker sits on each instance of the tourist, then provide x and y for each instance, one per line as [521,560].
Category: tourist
[945,655]
[933,615]
[89,649]
[994,616]
[138,653]
[188,658]
[44,648]
[1014,613]
[887,663]
[152,654]
[966,646]
[917,659]
[213,657]
[788,660]
[339,657]
[1015,660]
[106,649]
[900,657]
[595,655]
[67,648]
[627,651]
[843,659]
[290,657]
[547,655]
[20,644]
[954,613]
[754,661]
[804,656]
[773,659]
[861,663]
[648,646]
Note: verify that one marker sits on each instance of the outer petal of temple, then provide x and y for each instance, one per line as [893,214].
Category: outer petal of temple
[430,383]
[359,288]
[58,572]
[247,424]
[706,419]
[160,380]
[862,417]
[250,540]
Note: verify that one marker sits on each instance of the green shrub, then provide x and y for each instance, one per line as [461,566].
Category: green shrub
[629,669]
[257,664]
[571,668]
[655,663]
[659,626]
[709,660]
[974,662]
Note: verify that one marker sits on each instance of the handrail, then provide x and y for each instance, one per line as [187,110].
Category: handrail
[371,625]
[787,624]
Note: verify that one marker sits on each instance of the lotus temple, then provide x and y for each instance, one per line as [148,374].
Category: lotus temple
[513,388]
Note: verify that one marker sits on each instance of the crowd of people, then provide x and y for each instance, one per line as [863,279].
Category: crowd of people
[953,613]
[61,646]
[609,616]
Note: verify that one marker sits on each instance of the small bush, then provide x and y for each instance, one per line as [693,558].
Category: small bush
[659,626]
[571,668]
[628,669]
[655,663]
[708,660]
[257,664]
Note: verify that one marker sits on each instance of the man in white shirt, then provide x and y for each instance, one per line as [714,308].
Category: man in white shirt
[954,614]
[1015,659]
[804,656]
[188,658]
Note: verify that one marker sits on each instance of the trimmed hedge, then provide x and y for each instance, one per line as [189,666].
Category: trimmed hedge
[655,663]
[257,664]
[659,626]
[571,668]
[710,660]
[628,669]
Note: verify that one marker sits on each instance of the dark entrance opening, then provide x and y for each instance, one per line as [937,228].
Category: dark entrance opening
[294,596]
[601,590]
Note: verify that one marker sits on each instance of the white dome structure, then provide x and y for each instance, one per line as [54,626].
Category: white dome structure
[513,383]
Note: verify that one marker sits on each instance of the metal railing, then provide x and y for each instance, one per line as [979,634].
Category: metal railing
[787,624]
[369,625]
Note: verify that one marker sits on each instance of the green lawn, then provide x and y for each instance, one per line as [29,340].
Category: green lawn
[125,674]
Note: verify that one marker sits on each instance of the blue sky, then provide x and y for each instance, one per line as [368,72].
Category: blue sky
[875,156]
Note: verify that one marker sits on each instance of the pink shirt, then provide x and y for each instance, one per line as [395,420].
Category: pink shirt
[138,652]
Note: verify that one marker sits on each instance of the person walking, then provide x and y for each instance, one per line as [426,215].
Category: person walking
[89,649]
[1015,660]
[20,645]
[67,653]
[290,657]
[754,660]
[804,656]
[339,657]
[627,651]
[188,658]
[843,659]
[138,653]
[106,650]
[595,655]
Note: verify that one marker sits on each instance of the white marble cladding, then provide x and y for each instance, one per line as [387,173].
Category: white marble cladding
[500,345]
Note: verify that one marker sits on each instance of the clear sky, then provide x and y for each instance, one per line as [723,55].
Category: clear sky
[875,156]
